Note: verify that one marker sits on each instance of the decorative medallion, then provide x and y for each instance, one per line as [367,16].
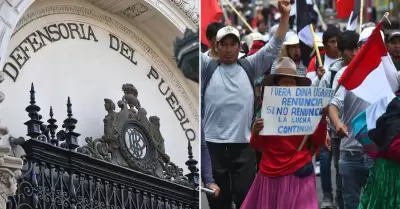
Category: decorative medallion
[132,139]
[135,141]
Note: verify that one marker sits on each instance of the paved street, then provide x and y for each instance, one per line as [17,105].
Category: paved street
[204,204]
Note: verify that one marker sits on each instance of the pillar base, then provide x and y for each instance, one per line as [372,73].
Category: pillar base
[10,170]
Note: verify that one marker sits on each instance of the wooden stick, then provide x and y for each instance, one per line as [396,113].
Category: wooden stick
[361,14]
[239,15]
[386,16]
[302,143]
[224,12]
[315,46]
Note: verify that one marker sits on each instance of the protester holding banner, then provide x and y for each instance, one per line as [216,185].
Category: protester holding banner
[227,109]
[348,47]
[286,179]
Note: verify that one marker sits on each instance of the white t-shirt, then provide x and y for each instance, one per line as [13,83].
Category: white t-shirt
[328,61]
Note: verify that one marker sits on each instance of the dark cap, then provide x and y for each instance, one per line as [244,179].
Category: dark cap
[393,35]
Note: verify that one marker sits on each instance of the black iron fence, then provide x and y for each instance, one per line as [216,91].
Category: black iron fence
[56,176]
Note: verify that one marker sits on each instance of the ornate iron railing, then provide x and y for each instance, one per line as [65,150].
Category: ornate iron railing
[59,174]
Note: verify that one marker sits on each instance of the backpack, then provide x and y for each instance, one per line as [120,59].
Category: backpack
[333,74]
[209,71]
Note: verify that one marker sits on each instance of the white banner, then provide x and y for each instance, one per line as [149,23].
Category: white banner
[293,110]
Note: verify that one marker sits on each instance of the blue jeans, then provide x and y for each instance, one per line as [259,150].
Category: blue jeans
[354,168]
[336,156]
[325,159]
[326,177]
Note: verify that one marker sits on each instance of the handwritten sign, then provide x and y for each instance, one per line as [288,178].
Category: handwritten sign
[293,110]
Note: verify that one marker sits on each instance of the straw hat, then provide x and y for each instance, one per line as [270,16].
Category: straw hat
[285,67]
[293,39]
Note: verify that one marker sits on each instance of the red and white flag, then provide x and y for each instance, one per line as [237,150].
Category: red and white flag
[371,75]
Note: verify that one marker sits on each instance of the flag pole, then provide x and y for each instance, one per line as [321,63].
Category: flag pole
[239,15]
[315,46]
[361,14]
[321,19]
[224,12]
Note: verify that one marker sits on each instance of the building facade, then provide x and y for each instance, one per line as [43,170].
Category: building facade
[73,57]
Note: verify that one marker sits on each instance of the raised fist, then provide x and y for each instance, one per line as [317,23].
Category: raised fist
[284,7]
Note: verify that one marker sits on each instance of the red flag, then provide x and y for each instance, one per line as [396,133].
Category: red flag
[371,76]
[210,12]
[344,8]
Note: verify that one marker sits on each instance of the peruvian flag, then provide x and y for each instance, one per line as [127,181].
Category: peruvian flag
[210,12]
[371,75]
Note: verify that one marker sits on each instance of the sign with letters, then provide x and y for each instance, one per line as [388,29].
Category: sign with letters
[293,110]
[46,35]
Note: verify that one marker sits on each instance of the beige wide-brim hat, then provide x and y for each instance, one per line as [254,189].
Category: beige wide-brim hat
[293,39]
[285,67]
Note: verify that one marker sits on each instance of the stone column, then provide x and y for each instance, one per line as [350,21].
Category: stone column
[3,129]
[10,170]
[10,167]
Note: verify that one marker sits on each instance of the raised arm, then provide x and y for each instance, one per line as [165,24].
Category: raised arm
[206,168]
[264,58]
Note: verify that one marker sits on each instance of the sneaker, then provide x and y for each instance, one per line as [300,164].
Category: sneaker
[317,169]
[327,202]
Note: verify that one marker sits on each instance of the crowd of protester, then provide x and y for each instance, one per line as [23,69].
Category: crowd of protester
[275,172]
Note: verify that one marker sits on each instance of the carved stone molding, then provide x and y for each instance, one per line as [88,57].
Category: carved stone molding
[189,8]
[135,10]
[82,11]
[10,170]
